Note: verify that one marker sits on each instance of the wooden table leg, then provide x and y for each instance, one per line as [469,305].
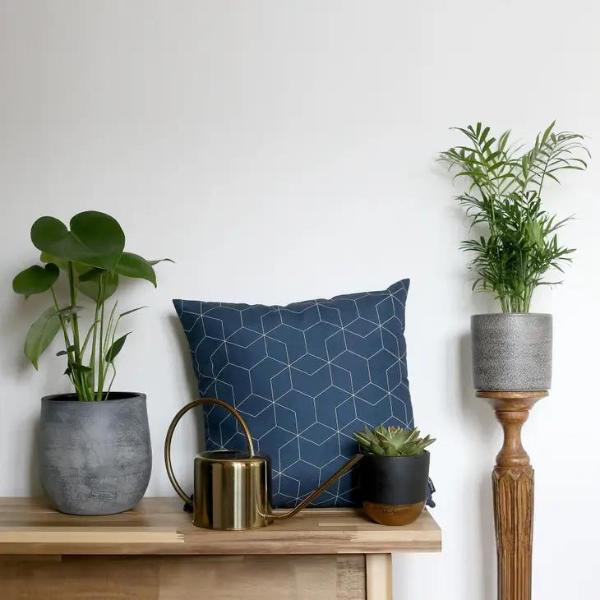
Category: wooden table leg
[379,576]
[513,495]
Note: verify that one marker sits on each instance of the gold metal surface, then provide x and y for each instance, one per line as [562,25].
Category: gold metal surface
[232,489]
[230,493]
[171,430]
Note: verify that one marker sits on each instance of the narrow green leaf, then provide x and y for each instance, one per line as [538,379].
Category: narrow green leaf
[115,348]
[128,312]
[65,352]
[159,260]
[40,335]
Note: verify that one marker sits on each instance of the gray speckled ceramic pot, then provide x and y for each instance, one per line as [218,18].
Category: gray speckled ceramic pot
[512,351]
[94,457]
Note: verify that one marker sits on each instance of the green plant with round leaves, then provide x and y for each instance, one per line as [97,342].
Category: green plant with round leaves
[392,441]
[87,260]
[518,244]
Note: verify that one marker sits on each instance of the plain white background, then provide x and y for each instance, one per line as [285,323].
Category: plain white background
[280,150]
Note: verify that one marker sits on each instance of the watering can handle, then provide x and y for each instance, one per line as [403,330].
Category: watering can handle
[204,401]
[173,425]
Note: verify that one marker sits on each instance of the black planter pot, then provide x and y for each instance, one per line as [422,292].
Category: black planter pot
[394,488]
[94,457]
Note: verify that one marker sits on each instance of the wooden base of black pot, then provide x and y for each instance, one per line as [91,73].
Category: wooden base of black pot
[393,514]
[394,488]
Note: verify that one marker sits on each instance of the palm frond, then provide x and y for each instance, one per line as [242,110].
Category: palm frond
[505,196]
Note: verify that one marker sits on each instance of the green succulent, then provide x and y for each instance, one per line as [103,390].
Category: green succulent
[392,441]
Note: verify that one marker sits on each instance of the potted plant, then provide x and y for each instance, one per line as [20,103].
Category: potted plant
[514,246]
[394,473]
[94,444]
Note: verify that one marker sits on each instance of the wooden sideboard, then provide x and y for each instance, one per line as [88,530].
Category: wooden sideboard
[154,552]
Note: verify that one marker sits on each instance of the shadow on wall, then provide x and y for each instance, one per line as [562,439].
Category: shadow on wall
[34,479]
[17,318]
[476,421]
[479,420]
[190,377]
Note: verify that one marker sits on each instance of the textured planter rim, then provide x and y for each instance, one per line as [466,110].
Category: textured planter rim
[96,459]
[112,397]
[515,314]
[512,351]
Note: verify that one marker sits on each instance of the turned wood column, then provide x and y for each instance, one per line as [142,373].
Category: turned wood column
[512,481]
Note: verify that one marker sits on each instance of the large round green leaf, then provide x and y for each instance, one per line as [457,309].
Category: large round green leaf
[51,236]
[41,334]
[101,234]
[95,239]
[89,284]
[35,280]
[133,265]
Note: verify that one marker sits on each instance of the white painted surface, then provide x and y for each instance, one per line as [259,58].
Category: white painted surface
[282,150]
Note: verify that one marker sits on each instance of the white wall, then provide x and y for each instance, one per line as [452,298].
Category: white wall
[281,150]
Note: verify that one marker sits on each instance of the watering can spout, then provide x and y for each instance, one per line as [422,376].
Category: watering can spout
[231,488]
[345,468]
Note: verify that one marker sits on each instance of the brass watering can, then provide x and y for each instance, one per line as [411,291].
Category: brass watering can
[232,489]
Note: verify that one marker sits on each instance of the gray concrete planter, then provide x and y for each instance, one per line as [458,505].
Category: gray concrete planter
[512,351]
[94,457]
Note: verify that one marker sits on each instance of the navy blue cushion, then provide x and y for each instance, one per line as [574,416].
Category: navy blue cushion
[305,377]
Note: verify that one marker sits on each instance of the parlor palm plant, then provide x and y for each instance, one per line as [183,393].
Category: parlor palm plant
[515,246]
[519,244]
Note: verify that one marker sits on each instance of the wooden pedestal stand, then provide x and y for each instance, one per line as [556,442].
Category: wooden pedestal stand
[513,495]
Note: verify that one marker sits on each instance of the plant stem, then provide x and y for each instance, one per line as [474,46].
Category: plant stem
[81,377]
[112,379]
[94,337]
[73,298]
[109,338]
[100,342]
[65,331]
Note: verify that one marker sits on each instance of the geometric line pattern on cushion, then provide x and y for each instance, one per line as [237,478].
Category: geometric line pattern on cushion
[305,377]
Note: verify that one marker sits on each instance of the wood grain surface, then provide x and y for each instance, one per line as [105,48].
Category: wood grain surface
[319,577]
[159,526]
[512,481]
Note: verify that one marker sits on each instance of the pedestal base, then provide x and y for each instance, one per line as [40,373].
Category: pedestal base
[512,481]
